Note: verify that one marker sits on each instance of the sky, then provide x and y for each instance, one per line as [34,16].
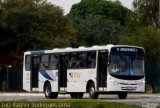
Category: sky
[67,4]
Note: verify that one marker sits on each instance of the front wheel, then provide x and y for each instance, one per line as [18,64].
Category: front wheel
[122,95]
[92,92]
[48,93]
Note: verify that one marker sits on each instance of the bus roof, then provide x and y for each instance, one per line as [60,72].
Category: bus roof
[81,48]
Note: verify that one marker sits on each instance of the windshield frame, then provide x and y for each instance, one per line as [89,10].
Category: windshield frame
[128,77]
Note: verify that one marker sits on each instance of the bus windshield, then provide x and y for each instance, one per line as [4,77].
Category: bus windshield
[127,64]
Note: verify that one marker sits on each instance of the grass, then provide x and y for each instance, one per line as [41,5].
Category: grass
[69,103]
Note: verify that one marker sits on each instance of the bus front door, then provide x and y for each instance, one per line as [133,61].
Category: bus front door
[35,64]
[102,69]
[62,73]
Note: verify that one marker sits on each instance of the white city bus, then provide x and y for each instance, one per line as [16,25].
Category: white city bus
[117,69]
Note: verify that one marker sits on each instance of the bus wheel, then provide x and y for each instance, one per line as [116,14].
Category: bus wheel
[47,90]
[122,95]
[48,93]
[92,92]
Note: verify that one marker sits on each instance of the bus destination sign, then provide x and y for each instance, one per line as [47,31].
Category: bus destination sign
[126,49]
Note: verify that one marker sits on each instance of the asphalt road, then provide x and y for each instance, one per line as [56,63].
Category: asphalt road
[140,99]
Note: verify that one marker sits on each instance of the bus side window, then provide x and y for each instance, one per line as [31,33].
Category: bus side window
[72,60]
[44,62]
[91,59]
[28,63]
[53,64]
[82,59]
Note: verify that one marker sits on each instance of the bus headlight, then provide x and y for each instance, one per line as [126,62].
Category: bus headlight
[144,81]
[112,80]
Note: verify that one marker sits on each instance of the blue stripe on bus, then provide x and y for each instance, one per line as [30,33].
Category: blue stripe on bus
[132,73]
[45,74]
[37,52]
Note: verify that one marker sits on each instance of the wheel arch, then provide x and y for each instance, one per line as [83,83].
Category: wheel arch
[46,82]
[88,84]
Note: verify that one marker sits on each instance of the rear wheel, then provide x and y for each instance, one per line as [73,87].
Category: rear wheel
[48,93]
[92,92]
[122,95]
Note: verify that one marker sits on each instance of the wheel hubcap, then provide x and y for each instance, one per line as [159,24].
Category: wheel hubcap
[48,91]
[92,91]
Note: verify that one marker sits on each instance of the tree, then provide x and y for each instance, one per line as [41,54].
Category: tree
[100,21]
[147,37]
[148,12]
[29,25]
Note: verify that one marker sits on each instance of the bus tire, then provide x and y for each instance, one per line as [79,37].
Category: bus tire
[48,93]
[122,95]
[92,92]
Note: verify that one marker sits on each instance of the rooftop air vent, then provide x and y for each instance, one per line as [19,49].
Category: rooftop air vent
[95,46]
[56,49]
[68,48]
[81,47]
